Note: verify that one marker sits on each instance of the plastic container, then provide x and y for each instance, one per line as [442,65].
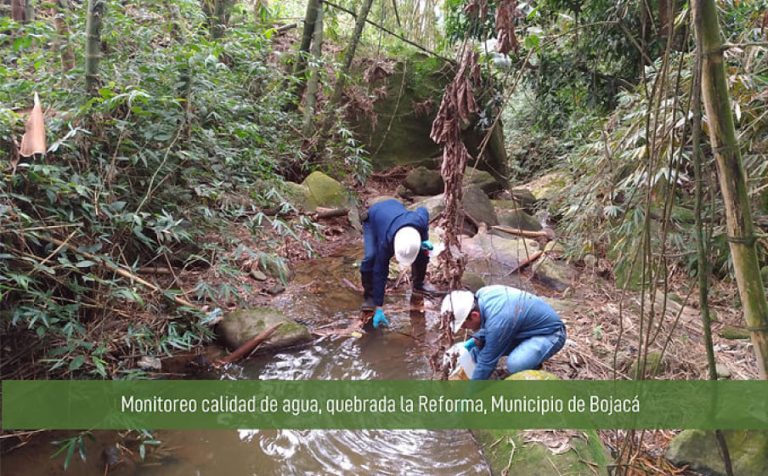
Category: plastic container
[465,364]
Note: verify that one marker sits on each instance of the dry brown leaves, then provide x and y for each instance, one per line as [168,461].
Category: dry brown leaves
[506,12]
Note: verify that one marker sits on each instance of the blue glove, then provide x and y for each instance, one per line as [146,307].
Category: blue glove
[470,343]
[427,245]
[379,319]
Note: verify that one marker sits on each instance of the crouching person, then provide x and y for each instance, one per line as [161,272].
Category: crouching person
[389,229]
[509,322]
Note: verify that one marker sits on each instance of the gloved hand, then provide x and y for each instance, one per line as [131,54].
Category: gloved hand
[470,343]
[427,245]
[379,319]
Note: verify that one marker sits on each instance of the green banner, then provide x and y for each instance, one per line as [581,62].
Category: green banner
[315,404]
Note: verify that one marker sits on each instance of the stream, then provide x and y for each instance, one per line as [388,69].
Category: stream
[315,297]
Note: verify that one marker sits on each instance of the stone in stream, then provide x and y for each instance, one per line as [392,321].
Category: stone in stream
[494,256]
[698,449]
[477,205]
[238,327]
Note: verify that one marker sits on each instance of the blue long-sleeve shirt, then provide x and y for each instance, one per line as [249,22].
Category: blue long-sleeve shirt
[383,222]
[507,316]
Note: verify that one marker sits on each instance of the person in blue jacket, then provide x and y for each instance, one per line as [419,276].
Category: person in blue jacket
[507,321]
[389,229]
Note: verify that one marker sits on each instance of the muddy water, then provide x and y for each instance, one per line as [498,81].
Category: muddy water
[318,297]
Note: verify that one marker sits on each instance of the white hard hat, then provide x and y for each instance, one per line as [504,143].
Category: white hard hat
[407,245]
[460,304]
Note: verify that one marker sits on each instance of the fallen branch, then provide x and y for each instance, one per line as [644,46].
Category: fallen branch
[527,261]
[351,285]
[322,213]
[282,29]
[122,272]
[520,232]
[248,347]
[154,270]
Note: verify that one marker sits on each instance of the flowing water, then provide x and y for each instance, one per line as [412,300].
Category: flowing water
[318,297]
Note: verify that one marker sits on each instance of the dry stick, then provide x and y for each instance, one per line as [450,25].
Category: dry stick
[520,232]
[248,347]
[321,213]
[120,271]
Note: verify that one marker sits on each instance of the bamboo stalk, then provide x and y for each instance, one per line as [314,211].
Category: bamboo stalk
[93,44]
[122,272]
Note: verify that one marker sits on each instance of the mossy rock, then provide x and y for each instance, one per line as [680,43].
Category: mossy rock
[491,255]
[422,181]
[482,179]
[524,199]
[298,195]
[654,365]
[547,186]
[554,273]
[699,450]
[734,333]
[472,281]
[240,326]
[587,455]
[533,375]
[517,218]
[325,191]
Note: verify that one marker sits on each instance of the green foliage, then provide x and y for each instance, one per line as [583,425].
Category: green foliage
[182,144]
[68,446]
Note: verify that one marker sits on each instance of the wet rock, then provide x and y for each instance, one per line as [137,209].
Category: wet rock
[258,275]
[554,273]
[733,333]
[698,449]
[325,191]
[517,218]
[472,281]
[422,181]
[150,363]
[240,326]
[481,179]
[477,205]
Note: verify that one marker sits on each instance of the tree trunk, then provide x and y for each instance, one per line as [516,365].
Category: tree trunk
[330,113]
[93,45]
[62,35]
[29,11]
[314,80]
[18,9]
[300,67]
[731,175]
[217,13]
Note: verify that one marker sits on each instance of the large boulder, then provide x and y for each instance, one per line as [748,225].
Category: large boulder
[238,327]
[325,191]
[495,256]
[408,95]
[482,179]
[478,206]
[517,218]
[554,273]
[699,450]
[422,181]
[298,195]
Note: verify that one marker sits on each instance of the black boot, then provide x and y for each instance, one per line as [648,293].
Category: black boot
[367,280]
[418,274]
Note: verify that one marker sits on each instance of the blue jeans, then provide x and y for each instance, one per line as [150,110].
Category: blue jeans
[532,352]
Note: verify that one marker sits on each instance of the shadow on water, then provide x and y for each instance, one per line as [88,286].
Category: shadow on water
[317,297]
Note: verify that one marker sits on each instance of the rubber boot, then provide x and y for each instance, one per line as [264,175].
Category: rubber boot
[418,275]
[367,280]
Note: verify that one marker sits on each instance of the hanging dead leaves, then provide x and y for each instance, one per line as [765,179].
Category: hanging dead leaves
[506,12]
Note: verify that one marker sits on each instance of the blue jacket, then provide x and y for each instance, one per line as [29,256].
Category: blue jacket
[384,220]
[507,316]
